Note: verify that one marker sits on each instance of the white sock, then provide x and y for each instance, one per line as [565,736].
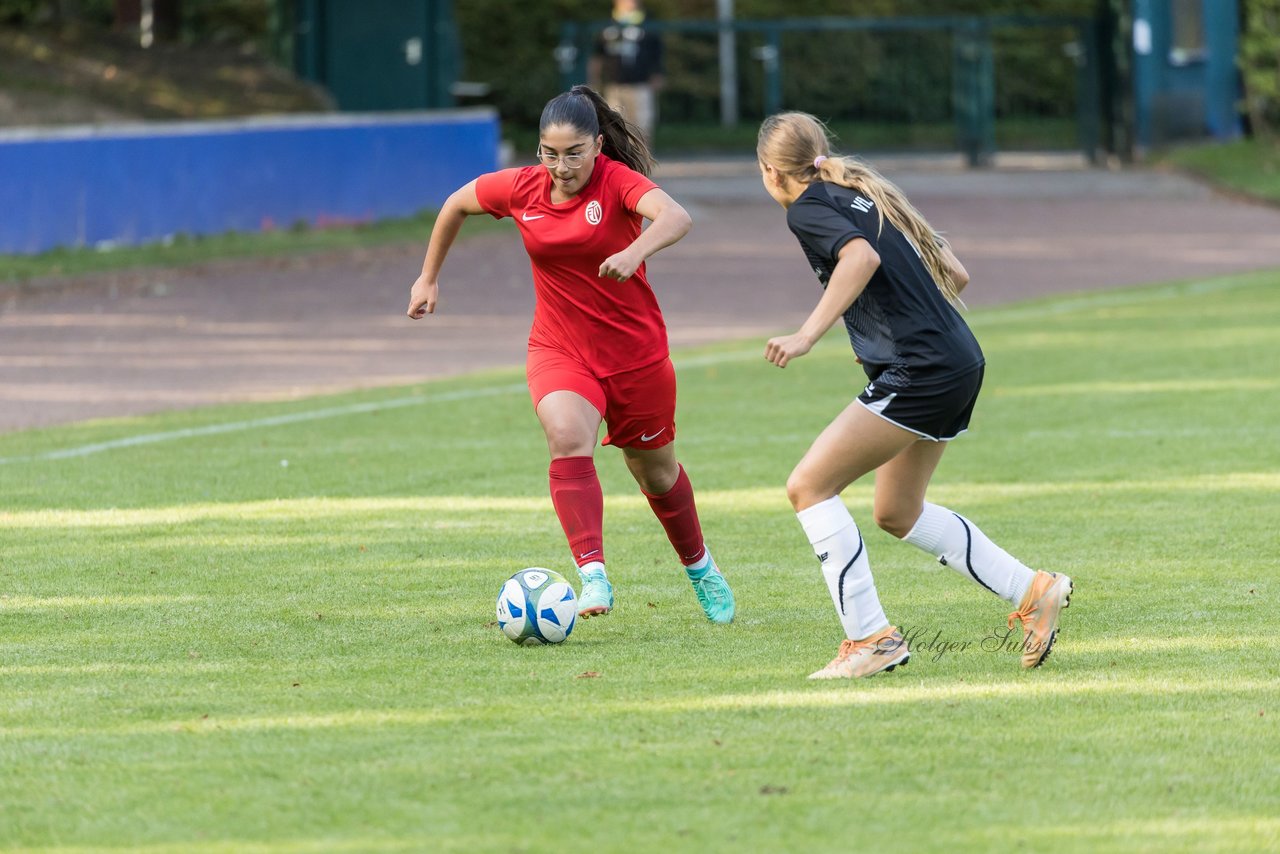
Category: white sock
[696,571]
[958,543]
[593,570]
[838,544]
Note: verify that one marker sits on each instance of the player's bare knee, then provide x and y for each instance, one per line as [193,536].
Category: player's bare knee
[895,520]
[567,443]
[654,476]
[801,491]
[654,484]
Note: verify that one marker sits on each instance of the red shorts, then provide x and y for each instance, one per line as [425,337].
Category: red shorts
[638,406]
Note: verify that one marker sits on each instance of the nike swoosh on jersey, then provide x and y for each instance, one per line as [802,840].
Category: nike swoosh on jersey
[527,218]
[645,437]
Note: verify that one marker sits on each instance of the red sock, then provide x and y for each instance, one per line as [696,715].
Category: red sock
[676,511]
[579,503]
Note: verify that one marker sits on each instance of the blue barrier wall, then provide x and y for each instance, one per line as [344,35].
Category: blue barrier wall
[132,184]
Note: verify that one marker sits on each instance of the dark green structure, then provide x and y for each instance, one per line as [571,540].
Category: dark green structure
[906,72]
[376,54]
[1186,83]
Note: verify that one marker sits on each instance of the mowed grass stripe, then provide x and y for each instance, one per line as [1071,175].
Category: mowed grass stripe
[464,506]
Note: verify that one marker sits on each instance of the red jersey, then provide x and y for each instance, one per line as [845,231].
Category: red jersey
[610,326]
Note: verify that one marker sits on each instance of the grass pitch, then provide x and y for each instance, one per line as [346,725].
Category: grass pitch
[1247,166]
[270,628]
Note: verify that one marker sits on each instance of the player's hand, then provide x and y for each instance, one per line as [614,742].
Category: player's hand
[621,266]
[422,298]
[784,348]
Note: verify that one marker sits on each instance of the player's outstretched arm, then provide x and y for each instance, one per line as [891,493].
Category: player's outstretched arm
[668,222]
[858,262]
[462,204]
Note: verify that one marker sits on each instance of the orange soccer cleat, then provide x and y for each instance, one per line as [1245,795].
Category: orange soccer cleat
[880,652]
[1048,594]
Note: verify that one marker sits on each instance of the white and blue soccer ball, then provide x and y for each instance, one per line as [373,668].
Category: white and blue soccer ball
[537,606]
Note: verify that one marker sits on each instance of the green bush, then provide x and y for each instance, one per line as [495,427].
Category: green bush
[513,50]
[18,11]
[223,21]
[244,21]
[1260,64]
[95,13]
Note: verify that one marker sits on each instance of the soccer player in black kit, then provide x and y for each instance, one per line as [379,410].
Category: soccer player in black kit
[895,282]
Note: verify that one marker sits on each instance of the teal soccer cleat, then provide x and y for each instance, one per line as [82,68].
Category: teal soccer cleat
[712,590]
[596,598]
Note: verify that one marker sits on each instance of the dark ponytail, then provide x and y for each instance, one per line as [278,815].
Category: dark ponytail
[582,109]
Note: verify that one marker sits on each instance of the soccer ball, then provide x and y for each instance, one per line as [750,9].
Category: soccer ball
[537,606]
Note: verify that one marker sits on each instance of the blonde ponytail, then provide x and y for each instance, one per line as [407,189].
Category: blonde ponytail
[797,145]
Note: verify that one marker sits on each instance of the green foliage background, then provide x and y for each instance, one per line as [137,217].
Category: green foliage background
[900,79]
[513,51]
[243,21]
[1260,64]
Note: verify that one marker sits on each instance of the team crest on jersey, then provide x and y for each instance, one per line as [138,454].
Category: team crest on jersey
[595,213]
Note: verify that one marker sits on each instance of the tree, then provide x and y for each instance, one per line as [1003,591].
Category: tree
[1260,65]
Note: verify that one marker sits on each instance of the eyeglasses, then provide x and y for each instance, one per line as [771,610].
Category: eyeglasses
[571,161]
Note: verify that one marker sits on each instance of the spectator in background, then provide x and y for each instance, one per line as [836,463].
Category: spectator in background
[627,66]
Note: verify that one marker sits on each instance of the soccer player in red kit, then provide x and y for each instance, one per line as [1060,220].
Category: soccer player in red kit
[598,346]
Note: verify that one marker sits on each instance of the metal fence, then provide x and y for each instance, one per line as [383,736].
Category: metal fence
[976,84]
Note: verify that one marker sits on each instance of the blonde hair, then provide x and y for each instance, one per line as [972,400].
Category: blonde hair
[798,146]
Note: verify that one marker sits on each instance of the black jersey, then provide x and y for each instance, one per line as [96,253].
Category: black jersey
[901,326]
[631,54]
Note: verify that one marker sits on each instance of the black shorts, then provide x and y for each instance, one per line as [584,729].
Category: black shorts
[932,409]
